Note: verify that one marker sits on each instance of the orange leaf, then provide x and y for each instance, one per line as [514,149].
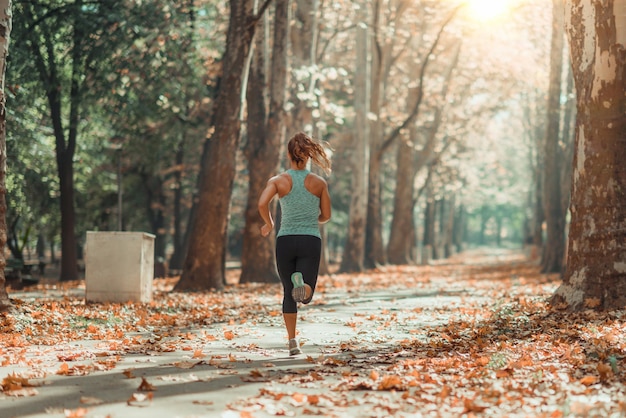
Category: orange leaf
[471,406]
[75,413]
[589,380]
[391,383]
[605,371]
[64,370]
[298,398]
[445,392]
[145,386]
[592,302]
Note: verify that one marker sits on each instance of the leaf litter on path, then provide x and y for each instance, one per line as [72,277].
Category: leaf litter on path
[472,335]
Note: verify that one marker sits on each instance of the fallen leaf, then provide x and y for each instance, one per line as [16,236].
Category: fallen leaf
[589,380]
[89,400]
[145,386]
[140,399]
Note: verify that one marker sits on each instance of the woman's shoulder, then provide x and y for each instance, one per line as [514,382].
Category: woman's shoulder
[282,182]
[315,184]
[317,178]
[282,177]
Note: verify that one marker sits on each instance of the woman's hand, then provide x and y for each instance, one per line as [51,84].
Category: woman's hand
[265,229]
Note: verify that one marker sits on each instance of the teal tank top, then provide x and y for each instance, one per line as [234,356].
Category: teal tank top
[299,208]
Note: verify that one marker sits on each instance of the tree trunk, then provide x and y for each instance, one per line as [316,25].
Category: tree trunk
[382,48]
[484,219]
[458,235]
[374,224]
[499,222]
[176,260]
[303,34]
[448,227]
[205,263]
[398,249]
[265,137]
[155,207]
[552,260]
[5,36]
[354,253]
[539,213]
[595,276]
[69,259]
[407,172]
[568,140]
[428,241]
[45,58]
[179,235]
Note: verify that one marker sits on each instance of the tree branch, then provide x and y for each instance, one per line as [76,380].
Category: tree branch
[261,11]
[420,95]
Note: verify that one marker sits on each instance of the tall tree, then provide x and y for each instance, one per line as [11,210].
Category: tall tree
[61,84]
[410,163]
[383,42]
[205,263]
[596,269]
[265,137]
[553,251]
[355,245]
[415,98]
[5,36]
[70,45]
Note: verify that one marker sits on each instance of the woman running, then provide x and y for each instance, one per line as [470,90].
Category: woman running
[304,203]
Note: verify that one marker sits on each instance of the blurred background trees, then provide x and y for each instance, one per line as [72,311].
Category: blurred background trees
[439,109]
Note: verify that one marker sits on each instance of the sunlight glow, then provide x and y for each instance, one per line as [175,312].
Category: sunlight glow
[488,9]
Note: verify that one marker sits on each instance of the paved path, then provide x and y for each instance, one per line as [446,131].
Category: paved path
[255,361]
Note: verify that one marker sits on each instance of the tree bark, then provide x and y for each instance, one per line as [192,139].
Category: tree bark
[568,141]
[5,36]
[265,137]
[553,251]
[399,249]
[205,262]
[354,253]
[595,276]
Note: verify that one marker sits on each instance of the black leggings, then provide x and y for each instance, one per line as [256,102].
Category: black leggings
[297,253]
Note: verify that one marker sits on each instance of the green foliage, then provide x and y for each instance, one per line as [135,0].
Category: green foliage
[142,99]
[32,182]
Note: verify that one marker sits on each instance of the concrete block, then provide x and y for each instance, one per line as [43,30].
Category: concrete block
[119,266]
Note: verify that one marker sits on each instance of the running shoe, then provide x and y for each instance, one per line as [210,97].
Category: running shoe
[294,347]
[299,290]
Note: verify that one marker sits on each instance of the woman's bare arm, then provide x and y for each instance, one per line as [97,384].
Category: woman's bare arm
[264,206]
[325,205]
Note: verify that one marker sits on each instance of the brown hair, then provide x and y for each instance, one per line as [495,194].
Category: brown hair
[301,146]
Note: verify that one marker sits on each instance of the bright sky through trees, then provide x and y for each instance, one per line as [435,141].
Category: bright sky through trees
[485,10]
